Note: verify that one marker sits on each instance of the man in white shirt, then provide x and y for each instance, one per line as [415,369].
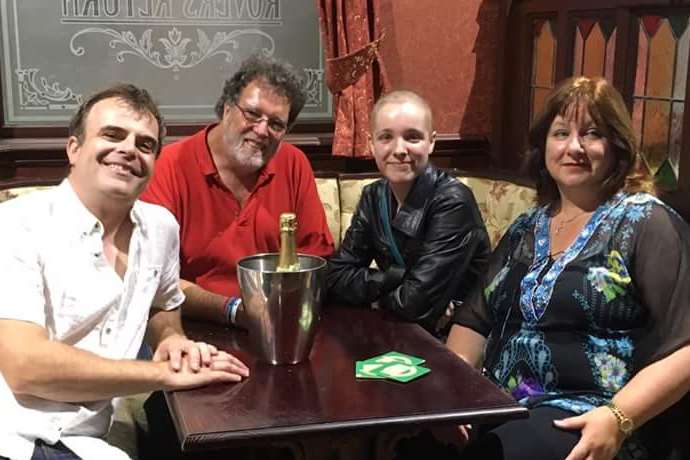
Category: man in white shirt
[86,271]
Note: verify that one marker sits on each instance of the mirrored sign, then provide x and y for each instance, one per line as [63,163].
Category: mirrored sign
[55,53]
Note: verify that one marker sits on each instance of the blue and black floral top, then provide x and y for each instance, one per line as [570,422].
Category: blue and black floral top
[571,332]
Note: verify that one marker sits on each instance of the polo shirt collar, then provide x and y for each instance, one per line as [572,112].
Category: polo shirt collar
[208,167]
[203,153]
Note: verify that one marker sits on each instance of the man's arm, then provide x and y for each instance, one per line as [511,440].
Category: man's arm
[165,334]
[162,325]
[206,305]
[32,364]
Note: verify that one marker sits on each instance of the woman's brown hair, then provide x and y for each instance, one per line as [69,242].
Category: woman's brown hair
[573,98]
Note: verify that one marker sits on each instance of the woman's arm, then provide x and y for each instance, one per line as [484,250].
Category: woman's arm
[656,387]
[653,390]
[467,344]
[660,271]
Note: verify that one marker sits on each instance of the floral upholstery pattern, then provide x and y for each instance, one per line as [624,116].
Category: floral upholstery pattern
[500,203]
[350,191]
[330,198]
[10,193]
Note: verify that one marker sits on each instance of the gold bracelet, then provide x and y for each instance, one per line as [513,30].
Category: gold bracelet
[625,423]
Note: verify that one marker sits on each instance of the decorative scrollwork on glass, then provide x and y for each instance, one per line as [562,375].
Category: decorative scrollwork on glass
[313,86]
[174,53]
[37,91]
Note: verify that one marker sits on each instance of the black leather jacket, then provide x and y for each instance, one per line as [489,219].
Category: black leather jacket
[439,233]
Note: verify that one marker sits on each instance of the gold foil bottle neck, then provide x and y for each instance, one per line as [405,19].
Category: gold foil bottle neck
[288,261]
[288,222]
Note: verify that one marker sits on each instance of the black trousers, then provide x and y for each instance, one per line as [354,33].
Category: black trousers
[534,438]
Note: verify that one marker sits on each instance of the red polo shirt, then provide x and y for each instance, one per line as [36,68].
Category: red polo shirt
[215,232]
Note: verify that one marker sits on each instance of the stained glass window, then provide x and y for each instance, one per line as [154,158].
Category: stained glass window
[543,63]
[595,46]
[658,100]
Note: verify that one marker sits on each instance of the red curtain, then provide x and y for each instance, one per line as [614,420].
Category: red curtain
[347,27]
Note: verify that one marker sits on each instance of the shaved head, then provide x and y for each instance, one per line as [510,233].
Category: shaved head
[401,97]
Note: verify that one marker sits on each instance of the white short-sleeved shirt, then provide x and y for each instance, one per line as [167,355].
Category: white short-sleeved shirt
[53,273]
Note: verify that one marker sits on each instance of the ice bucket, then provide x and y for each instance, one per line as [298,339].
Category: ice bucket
[282,309]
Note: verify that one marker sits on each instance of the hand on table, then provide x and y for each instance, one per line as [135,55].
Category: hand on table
[600,437]
[178,350]
[224,368]
[173,347]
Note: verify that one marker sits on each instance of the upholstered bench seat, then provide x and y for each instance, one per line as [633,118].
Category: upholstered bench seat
[500,198]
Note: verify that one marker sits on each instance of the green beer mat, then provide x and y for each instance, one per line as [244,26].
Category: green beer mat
[392,366]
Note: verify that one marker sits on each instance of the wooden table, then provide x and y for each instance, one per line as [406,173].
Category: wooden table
[319,405]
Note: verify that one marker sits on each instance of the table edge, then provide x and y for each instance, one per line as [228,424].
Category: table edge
[209,441]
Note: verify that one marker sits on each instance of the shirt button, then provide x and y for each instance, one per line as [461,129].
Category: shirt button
[107,330]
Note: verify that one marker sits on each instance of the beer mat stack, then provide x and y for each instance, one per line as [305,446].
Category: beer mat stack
[393,365]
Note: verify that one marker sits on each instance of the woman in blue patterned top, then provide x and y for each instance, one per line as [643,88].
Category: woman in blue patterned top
[584,313]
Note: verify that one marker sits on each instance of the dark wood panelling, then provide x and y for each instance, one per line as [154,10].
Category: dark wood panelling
[43,161]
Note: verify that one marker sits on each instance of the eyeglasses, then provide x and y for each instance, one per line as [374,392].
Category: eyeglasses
[276,126]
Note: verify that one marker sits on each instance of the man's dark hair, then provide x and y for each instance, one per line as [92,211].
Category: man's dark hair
[138,99]
[280,76]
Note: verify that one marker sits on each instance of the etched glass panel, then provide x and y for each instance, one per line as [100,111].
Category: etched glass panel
[55,53]
[638,110]
[658,99]
[610,54]
[539,99]
[594,48]
[662,50]
[595,53]
[578,52]
[677,109]
[642,59]
[655,132]
[543,63]
[682,64]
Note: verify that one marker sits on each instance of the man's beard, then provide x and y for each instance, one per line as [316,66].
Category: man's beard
[250,158]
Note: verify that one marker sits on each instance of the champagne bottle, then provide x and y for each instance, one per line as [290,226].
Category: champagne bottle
[288,261]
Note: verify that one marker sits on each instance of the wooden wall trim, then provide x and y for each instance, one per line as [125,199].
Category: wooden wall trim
[43,160]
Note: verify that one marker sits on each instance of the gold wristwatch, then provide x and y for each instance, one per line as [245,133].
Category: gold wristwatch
[625,423]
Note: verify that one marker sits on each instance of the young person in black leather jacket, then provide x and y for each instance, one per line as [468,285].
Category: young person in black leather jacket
[421,226]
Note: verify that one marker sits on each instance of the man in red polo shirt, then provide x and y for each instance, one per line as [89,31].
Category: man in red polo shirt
[228,184]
